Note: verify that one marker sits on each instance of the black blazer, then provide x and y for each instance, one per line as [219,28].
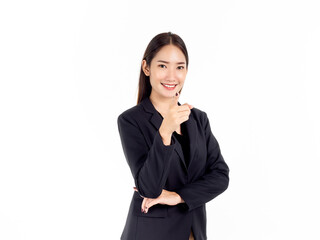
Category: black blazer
[155,166]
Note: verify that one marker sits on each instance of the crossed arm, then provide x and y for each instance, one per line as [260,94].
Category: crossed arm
[150,168]
[166,197]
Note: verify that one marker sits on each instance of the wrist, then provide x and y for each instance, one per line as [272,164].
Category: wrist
[166,137]
[180,198]
[164,133]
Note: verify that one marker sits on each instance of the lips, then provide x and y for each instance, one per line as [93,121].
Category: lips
[169,86]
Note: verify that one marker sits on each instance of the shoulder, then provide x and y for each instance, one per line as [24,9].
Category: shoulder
[132,114]
[199,115]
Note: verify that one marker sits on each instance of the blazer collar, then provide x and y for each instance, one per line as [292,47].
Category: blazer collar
[156,118]
[191,127]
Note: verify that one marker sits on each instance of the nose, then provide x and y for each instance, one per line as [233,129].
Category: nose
[172,74]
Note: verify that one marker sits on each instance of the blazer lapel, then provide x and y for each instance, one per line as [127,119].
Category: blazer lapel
[191,127]
[156,120]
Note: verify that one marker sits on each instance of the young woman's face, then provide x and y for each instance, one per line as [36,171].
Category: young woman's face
[167,71]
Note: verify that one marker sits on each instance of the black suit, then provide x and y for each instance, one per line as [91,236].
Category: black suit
[155,166]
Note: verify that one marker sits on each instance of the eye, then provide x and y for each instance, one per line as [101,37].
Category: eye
[161,65]
[181,67]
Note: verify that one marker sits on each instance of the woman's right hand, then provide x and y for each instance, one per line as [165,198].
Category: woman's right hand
[174,117]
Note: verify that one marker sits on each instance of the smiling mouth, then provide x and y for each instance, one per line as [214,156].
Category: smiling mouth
[170,86]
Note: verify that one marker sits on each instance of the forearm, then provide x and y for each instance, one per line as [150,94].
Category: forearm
[166,137]
[205,189]
[149,165]
[215,179]
[151,177]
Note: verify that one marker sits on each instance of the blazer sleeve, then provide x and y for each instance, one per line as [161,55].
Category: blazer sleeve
[215,179]
[149,167]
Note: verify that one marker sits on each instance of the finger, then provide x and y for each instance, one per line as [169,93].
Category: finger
[143,205]
[150,203]
[184,118]
[184,114]
[188,106]
[146,206]
[184,109]
[175,99]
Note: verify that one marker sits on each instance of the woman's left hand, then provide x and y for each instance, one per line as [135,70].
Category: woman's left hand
[166,198]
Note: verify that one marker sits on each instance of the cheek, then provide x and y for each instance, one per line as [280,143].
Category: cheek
[158,76]
[155,80]
[182,77]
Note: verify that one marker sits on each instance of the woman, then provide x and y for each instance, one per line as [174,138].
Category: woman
[174,158]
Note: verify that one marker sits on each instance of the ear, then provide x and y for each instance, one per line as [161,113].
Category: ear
[145,68]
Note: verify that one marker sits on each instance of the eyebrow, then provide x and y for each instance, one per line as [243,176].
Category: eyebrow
[168,62]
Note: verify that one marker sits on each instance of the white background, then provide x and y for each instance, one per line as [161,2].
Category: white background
[69,68]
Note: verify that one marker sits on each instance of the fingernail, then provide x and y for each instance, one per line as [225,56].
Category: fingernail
[176,94]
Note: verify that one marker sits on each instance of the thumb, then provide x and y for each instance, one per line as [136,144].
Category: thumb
[189,105]
[175,99]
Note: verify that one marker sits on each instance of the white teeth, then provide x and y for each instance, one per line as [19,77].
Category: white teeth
[171,86]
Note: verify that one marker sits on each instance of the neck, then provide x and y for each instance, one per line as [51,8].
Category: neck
[161,104]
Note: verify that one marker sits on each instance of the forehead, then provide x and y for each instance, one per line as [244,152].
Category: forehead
[170,52]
